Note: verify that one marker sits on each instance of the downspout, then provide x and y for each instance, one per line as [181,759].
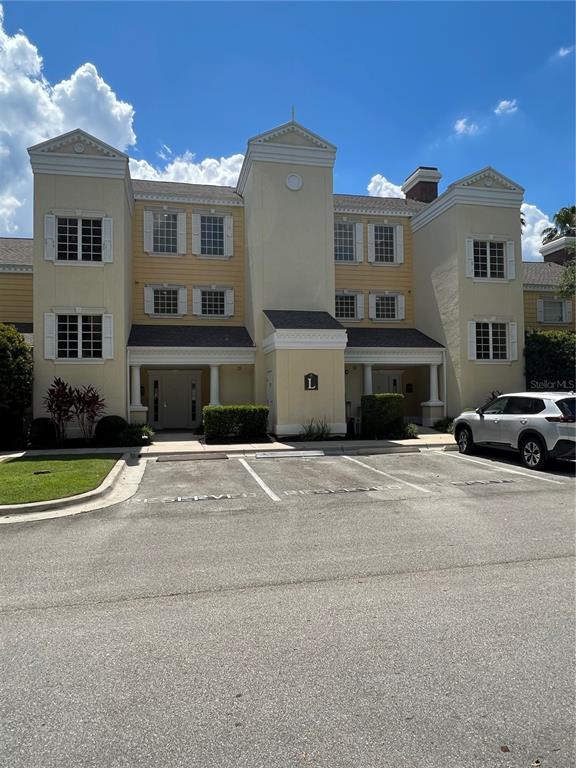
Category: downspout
[444,393]
[129,413]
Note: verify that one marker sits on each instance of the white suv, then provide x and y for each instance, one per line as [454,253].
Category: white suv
[540,425]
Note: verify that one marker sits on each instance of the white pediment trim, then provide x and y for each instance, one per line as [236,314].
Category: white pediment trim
[394,355]
[76,136]
[292,127]
[214,201]
[191,355]
[305,338]
[488,175]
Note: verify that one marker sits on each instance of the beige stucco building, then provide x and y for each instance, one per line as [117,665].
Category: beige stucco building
[170,296]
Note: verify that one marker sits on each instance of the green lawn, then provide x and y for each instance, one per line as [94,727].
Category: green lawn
[66,476]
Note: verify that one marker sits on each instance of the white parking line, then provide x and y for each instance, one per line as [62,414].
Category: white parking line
[392,477]
[534,476]
[259,480]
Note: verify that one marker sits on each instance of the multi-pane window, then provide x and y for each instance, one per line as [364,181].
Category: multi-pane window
[79,239]
[383,243]
[212,235]
[386,307]
[165,301]
[491,341]
[346,306]
[552,311]
[79,336]
[213,303]
[344,241]
[165,232]
[489,259]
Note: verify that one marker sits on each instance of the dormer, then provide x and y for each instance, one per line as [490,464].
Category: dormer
[77,153]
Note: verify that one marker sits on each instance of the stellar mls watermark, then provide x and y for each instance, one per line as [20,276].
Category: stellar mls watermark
[553,385]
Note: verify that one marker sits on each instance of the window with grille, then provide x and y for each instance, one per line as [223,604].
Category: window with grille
[79,239]
[552,311]
[346,306]
[212,235]
[344,235]
[79,336]
[165,301]
[386,307]
[489,259]
[491,341]
[213,303]
[165,232]
[383,243]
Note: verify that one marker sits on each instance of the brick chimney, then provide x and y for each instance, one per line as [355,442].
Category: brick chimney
[560,251]
[422,184]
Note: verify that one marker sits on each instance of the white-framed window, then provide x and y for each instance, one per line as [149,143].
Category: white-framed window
[77,239]
[165,300]
[349,306]
[492,340]
[78,335]
[490,259]
[554,311]
[213,301]
[165,232]
[385,243]
[387,306]
[212,235]
[348,241]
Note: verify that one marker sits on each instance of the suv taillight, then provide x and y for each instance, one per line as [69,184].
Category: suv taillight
[563,419]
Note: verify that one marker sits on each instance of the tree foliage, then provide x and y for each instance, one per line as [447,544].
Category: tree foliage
[550,360]
[568,282]
[564,224]
[16,369]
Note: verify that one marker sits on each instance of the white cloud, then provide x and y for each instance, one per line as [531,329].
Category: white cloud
[184,168]
[536,221]
[463,127]
[564,51]
[506,107]
[379,186]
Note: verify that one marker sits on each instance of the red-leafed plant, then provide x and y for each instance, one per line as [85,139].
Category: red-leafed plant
[59,402]
[88,405]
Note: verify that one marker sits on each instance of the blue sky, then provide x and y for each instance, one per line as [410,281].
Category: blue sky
[393,85]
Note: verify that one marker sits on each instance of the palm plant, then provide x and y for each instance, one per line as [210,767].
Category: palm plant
[564,224]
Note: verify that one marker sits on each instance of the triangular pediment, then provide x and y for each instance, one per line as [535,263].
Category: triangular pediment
[293,134]
[76,142]
[488,178]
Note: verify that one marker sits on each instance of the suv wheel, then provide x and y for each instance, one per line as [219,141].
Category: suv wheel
[533,452]
[464,440]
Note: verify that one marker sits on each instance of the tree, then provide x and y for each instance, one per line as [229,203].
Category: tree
[568,281]
[564,224]
[16,370]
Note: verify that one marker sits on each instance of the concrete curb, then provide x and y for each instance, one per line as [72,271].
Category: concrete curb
[105,487]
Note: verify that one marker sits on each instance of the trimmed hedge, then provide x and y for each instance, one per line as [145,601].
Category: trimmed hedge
[550,360]
[235,421]
[43,433]
[109,431]
[383,416]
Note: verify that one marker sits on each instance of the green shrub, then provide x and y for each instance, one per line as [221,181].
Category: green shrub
[136,434]
[16,369]
[382,416]
[444,425]
[11,429]
[410,430]
[550,360]
[316,429]
[235,421]
[43,433]
[109,430]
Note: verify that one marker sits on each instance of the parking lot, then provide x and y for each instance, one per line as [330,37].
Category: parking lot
[414,610]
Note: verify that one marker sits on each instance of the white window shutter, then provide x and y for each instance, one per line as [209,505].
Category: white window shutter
[107,239]
[182,301]
[181,232]
[359,241]
[49,336]
[470,260]
[148,231]
[540,310]
[49,237]
[196,301]
[567,311]
[510,260]
[107,337]
[149,300]
[471,340]
[400,307]
[513,330]
[399,244]
[359,306]
[196,234]
[229,302]
[372,306]
[371,251]
[228,235]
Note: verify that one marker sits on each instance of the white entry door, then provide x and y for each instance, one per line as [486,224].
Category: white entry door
[386,381]
[175,399]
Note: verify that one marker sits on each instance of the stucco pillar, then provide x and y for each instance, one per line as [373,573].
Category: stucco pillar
[214,385]
[433,392]
[135,386]
[367,390]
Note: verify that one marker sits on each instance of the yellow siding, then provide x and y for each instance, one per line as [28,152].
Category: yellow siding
[531,313]
[188,270]
[15,297]
[368,277]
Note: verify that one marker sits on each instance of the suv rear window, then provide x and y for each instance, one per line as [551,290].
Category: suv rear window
[568,407]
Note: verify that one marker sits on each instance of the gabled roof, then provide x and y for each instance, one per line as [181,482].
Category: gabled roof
[189,336]
[295,128]
[16,251]
[487,177]
[389,337]
[289,319]
[76,136]
[542,273]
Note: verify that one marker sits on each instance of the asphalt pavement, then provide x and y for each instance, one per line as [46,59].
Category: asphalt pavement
[411,610]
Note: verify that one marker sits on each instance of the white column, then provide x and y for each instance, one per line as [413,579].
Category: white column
[214,385]
[135,386]
[367,379]
[433,395]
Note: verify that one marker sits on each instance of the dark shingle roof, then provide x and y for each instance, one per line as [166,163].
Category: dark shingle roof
[301,319]
[389,337]
[379,204]
[542,273]
[16,250]
[189,336]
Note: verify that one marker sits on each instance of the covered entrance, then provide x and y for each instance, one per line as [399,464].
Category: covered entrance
[175,399]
